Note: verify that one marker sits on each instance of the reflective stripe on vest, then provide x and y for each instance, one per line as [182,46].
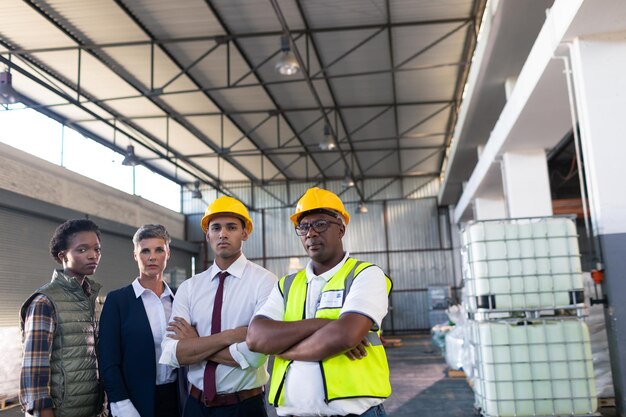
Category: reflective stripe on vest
[342,377]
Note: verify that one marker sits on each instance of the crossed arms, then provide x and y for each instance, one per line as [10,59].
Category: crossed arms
[192,349]
[310,339]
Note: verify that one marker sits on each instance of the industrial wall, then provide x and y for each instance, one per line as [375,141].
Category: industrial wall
[28,175]
[35,197]
[409,239]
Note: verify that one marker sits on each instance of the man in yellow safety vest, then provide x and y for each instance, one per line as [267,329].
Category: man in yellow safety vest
[323,322]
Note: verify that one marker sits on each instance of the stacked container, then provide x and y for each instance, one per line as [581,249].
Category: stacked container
[525,302]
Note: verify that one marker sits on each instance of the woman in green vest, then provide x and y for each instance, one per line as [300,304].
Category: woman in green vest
[59,376]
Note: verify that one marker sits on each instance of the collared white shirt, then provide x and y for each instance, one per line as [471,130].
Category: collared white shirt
[304,387]
[158,310]
[245,291]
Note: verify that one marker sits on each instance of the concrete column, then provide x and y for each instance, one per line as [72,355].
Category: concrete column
[598,66]
[526,183]
[486,208]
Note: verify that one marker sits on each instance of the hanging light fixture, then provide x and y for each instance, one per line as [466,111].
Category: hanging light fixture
[362,208]
[287,64]
[327,143]
[7,93]
[347,180]
[130,160]
[196,193]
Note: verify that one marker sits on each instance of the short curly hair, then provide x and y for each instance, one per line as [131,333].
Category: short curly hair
[63,233]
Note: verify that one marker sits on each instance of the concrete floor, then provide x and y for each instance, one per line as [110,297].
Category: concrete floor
[419,382]
[420,385]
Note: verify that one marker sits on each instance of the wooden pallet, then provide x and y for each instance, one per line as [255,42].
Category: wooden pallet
[392,342]
[608,402]
[7,402]
[454,373]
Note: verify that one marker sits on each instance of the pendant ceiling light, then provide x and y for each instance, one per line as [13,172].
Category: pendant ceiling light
[327,143]
[287,64]
[130,160]
[196,193]
[7,93]
[347,180]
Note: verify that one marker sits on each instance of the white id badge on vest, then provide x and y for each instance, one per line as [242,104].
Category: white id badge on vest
[331,299]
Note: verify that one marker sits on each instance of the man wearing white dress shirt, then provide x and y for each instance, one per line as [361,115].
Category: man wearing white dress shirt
[323,322]
[226,378]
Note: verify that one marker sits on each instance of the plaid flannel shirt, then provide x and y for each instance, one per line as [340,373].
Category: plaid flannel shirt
[39,327]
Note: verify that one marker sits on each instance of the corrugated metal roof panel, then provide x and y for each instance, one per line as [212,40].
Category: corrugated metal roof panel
[372,55]
[324,13]
[363,124]
[365,89]
[411,10]
[17,21]
[95,22]
[254,15]
[415,119]
[427,85]
[181,19]
[293,95]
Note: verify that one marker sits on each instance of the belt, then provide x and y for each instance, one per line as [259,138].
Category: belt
[222,400]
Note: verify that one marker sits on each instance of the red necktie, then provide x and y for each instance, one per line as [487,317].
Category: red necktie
[210,388]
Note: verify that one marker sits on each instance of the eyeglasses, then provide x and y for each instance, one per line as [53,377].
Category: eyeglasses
[320,226]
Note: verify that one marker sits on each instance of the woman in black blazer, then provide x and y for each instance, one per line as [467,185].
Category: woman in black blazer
[134,321]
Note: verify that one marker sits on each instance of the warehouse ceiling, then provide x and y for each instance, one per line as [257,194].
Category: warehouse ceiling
[192,84]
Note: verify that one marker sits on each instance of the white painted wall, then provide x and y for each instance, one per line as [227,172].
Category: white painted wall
[526,183]
[28,175]
[598,70]
[487,208]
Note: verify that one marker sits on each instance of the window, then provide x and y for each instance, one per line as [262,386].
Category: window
[39,135]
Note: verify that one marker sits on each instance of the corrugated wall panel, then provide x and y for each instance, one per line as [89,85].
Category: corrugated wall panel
[296,190]
[413,224]
[379,259]
[26,264]
[409,311]
[382,189]
[253,247]
[420,270]
[194,231]
[281,266]
[270,196]
[429,189]
[366,232]
[280,238]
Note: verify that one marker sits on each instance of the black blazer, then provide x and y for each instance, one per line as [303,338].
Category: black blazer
[126,351]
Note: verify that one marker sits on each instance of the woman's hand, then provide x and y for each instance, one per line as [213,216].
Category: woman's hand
[181,329]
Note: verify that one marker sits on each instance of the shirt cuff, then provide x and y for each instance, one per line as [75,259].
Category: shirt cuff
[245,357]
[124,408]
[34,407]
[168,356]
[238,356]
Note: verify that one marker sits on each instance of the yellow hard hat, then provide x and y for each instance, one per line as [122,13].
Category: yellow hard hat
[319,199]
[226,205]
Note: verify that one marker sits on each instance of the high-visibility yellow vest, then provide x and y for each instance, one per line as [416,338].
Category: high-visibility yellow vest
[343,378]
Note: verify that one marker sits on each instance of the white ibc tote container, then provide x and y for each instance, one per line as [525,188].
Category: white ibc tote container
[538,368]
[522,264]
